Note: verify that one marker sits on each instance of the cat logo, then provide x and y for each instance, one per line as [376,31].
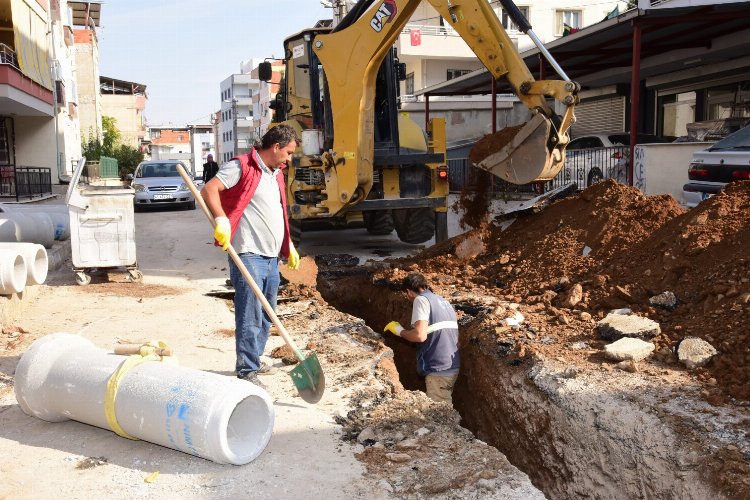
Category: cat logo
[384,14]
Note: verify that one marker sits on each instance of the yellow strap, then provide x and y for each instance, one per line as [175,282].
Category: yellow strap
[147,353]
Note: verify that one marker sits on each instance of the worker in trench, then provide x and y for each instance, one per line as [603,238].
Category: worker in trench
[435,328]
[247,197]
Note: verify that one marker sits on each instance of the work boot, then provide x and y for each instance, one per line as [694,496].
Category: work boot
[266,369]
[252,377]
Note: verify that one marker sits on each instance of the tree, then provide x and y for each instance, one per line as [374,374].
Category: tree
[127,157]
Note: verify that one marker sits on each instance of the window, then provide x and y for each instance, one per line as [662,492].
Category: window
[410,83]
[180,137]
[507,23]
[570,17]
[455,73]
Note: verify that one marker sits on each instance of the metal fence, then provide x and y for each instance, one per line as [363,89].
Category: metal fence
[25,183]
[583,166]
[462,173]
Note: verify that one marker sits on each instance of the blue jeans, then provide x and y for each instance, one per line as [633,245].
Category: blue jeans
[251,321]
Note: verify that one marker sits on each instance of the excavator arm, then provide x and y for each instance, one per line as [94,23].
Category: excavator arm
[352,53]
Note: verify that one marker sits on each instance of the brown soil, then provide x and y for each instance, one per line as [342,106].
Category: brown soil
[492,143]
[639,247]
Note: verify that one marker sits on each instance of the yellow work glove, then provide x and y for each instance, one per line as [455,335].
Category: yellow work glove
[293,260]
[223,232]
[394,327]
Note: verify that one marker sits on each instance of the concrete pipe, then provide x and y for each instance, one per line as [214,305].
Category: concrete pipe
[58,214]
[8,230]
[33,227]
[35,257]
[12,272]
[64,376]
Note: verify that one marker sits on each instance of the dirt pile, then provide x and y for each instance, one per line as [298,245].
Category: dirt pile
[614,247]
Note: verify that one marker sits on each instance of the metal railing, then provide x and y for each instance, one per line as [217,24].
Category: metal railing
[25,183]
[462,174]
[588,166]
[584,167]
[8,56]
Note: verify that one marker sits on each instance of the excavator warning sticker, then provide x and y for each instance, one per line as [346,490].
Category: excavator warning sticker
[298,51]
[385,14]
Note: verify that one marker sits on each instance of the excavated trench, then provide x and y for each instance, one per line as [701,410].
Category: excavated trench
[570,440]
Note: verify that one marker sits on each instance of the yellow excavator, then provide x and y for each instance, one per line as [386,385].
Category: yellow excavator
[362,159]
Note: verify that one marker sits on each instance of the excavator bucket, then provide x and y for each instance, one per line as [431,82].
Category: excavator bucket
[522,154]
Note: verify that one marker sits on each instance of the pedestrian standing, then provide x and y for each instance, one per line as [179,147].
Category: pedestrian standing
[209,168]
[248,200]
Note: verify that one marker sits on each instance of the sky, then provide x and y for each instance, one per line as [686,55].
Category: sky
[182,49]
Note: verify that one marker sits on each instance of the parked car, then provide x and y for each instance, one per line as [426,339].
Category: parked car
[157,183]
[593,157]
[712,169]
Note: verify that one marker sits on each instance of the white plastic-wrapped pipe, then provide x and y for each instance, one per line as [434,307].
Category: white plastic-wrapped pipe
[64,376]
[12,272]
[35,256]
[57,213]
[32,227]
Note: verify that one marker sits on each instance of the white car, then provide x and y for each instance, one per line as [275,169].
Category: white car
[157,183]
[593,157]
[712,169]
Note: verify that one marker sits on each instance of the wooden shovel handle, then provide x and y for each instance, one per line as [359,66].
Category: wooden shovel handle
[136,348]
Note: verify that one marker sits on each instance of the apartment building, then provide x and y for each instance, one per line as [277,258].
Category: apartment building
[433,53]
[125,102]
[236,132]
[39,105]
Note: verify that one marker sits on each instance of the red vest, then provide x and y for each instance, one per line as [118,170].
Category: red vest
[235,199]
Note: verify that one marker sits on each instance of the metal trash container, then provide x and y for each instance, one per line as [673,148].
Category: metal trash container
[102,228]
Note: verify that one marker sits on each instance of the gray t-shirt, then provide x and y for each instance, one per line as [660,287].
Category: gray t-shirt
[261,229]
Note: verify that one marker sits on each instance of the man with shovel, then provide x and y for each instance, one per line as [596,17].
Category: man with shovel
[247,198]
[435,329]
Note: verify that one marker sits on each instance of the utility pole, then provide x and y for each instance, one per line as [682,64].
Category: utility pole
[340,8]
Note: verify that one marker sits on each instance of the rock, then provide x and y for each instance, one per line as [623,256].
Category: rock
[574,296]
[666,300]
[599,280]
[399,436]
[548,295]
[694,352]
[398,457]
[580,345]
[585,316]
[586,251]
[628,365]
[488,474]
[408,444]
[623,311]
[504,259]
[470,247]
[378,445]
[422,431]
[629,349]
[367,434]
[385,485]
[615,326]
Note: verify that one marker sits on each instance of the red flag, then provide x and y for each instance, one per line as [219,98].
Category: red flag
[416,36]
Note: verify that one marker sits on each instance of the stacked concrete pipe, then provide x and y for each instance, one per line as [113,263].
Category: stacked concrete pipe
[64,376]
[57,213]
[29,228]
[12,272]
[35,256]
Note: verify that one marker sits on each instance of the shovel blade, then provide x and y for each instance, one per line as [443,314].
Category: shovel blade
[309,379]
[522,154]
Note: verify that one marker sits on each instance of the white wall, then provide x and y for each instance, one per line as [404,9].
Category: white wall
[663,168]
[34,147]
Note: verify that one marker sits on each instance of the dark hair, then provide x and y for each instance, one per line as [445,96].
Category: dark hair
[280,134]
[415,282]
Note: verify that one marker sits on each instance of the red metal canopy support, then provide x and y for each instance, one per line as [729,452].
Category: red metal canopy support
[635,98]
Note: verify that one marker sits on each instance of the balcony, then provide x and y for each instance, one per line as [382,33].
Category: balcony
[8,56]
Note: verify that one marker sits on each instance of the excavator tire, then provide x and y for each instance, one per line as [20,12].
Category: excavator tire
[414,225]
[378,222]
